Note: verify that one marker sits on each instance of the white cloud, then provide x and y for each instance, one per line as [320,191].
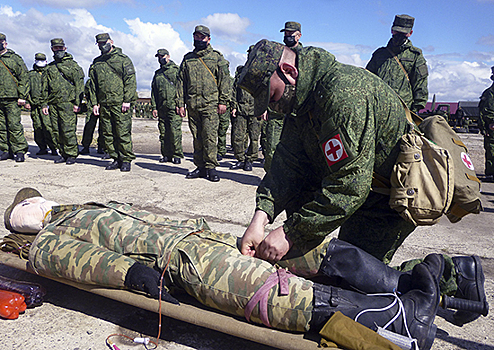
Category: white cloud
[227,26]
[7,10]
[71,3]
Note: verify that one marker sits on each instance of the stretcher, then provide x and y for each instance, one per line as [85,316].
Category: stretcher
[193,314]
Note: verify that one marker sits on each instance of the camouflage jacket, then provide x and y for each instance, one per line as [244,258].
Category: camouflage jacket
[34,85]
[242,101]
[114,78]
[63,82]
[348,124]
[97,243]
[89,95]
[486,110]
[13,76]
[413,90]
[164,86]
[203,80]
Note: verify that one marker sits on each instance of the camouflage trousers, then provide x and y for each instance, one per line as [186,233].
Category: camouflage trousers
[64,123]
[270,137]
[246,126]
[489,154]
[203,125]
[170,128]
[43,131]
[117,132]
[12,137]
[87,134]
[224,123]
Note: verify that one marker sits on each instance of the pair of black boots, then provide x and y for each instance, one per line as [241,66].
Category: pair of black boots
[209,174]
[405,303]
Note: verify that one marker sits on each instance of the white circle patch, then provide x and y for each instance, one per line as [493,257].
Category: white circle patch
[465,158]
[333,150]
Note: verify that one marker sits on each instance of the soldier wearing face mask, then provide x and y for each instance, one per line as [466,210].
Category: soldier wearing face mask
[203,86]
[42,125]
[62,93]
[402,65]
[163,90]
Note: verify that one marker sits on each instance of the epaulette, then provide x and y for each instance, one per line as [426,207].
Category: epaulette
[415,49]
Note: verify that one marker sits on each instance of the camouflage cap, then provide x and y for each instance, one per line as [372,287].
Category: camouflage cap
[102,37]
[403,24]
[23,194]
[40,56]
[3,37]
[57,42]
[292,27]
[202,29]
[162,52]
[262,62]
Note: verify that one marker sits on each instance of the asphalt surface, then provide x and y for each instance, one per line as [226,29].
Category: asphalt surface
[73,319]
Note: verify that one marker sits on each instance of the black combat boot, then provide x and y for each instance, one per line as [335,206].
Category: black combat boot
[410,315]
[197,173]
[237,165]
[113,165]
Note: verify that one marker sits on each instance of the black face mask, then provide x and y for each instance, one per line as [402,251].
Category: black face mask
[200,45]
[285,104]
[58,55]
[105,48]
[398,39]
[289,40]
[162,61]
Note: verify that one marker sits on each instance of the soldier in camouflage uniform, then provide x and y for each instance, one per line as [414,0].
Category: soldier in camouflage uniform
[13,89]
[90,124]
[63,91]
[204,86]
[486,110]
[224,123]
[402,65]
[245,124]
[114,87]
[42,126]
[346,129]
[163,91]
[116,245]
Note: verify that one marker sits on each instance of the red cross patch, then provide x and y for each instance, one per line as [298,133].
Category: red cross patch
[334,151]
[465,158]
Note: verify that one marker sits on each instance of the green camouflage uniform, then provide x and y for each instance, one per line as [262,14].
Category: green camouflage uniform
[270,136]
[114,83]
[224,123]
[413,90]
[62,89]
[486,110]
[202,89]
[42,125]
[95,243]
[13,80]
[245,124]
[91,120]
[163,90]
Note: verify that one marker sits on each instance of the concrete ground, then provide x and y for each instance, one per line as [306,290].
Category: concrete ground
[73,319]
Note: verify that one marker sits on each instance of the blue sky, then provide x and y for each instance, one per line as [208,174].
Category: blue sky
[457,37]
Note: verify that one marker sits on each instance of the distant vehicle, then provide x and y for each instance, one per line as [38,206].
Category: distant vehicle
[462,116]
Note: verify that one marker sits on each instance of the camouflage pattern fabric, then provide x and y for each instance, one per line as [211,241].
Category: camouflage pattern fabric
[486,109]
[13,80]
[270,136]
[117,132]
[203,83]
[64,122]
[223,124]
[413,90]
[163,91]
[97,244]
[91,120]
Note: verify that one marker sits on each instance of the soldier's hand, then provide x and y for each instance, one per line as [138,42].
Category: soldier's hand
[254,233]
[181,111]
[264,116]
[234,113]
[155,113]
[275,246]
[27,105]
[491,126]
[77,109]
[125,107]
[21,102]
[221,109]
[45,110]
[96,110]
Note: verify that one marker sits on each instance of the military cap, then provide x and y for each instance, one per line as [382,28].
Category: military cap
[202,29]
[403,24]
[102,37]
[57,42]
[292,27]
[262,62]
[162,52]
[23,194]
[40,56]
[2,37]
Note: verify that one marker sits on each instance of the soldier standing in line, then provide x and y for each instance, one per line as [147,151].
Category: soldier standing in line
[402,65]
[486,110]
[224,123]
[90,125]
[245,123]
[163,91]
[114,86]
[204,86]
[63,90]
[43,131]
[13,80]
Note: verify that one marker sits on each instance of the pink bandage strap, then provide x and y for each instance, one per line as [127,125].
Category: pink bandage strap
[280,277]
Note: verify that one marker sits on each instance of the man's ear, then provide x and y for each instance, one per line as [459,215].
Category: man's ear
[289,69]
[409,34]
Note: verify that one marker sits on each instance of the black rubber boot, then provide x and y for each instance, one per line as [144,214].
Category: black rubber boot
[415,320]
[355,275]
